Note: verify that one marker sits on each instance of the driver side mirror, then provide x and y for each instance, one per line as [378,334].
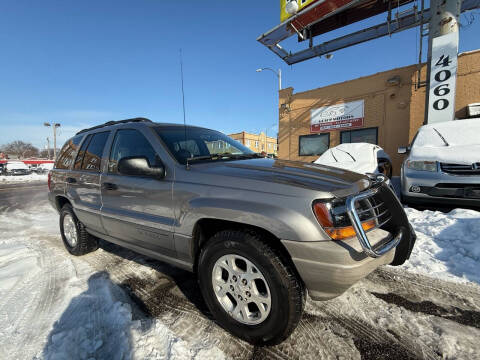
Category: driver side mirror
[139,166]
[403,149]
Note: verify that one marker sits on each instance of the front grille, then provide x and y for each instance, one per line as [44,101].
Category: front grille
[457,185]
[382,206]
[461,169]
[373,208]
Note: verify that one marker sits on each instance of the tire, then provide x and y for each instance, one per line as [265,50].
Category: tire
[250,251]
[72,228]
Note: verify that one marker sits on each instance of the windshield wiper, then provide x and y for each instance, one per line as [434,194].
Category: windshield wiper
[348,154]
[441,137]
[221,156]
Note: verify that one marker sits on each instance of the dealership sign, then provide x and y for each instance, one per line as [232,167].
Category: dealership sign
[443,76]
[337,117]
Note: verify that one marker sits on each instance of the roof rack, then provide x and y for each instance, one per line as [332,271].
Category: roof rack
[108,123]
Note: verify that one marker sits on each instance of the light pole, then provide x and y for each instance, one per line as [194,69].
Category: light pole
[54,126]
[278,73]
[279,76]
[48,148]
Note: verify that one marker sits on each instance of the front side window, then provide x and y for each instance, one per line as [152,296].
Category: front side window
[198,142]
[309,145]
[131,143]
[67,154]
[369,135]
[92,158]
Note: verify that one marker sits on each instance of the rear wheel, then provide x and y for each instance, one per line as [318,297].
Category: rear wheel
[249,287]
[74,235]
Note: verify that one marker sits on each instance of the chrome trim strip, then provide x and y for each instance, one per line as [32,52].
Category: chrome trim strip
[357,225]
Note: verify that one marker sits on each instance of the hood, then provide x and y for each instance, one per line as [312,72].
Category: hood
[453,154]
[278,175]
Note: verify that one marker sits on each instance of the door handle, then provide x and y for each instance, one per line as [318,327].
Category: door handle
[71,180]
[110,186]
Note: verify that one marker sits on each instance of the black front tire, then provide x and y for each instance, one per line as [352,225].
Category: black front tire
[85,243]
[286,289]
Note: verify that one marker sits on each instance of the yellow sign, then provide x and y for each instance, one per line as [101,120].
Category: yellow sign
[284,14]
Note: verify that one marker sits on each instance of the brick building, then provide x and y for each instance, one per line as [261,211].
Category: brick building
[391,104]
[257,142]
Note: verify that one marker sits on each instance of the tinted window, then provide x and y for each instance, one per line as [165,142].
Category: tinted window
[361,135]
[313,144]
[81,153]
[67,154]
[129,143]
[91,158]
[198,142]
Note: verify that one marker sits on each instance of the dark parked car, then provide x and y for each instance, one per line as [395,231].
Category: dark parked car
[257,232]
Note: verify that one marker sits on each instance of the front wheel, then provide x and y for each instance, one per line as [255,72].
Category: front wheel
[249,287]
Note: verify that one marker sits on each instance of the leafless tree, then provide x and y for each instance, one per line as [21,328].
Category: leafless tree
[20,149]
[45,154]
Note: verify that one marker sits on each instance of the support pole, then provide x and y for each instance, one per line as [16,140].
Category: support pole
[48,148]
[54,141]
[442,60]
[279,79]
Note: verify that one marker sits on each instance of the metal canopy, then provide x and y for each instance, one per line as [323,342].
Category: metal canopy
[410,19]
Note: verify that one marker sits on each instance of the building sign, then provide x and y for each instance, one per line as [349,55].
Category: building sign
[337,117]
[443,76]
[287,10]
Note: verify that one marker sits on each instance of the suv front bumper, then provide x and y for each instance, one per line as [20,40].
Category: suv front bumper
[440,187]
[330,267]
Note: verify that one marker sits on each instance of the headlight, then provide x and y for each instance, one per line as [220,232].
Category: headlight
[333,217]
[422,165]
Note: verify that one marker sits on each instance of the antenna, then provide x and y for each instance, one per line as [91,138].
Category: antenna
[183,102]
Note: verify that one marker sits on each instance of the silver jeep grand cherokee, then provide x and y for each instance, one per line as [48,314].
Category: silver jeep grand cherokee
[257,232]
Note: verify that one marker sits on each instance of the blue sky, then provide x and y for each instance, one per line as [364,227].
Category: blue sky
[81,63]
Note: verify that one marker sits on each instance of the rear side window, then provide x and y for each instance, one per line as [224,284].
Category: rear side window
[67,154]
[90,154]
[129,143]
[81,153]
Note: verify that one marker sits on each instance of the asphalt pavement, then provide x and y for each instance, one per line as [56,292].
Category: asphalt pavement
[18,196]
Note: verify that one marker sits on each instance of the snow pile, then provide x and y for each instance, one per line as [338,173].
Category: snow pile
[98,323]
[23,178]
[447,245]
[76,334]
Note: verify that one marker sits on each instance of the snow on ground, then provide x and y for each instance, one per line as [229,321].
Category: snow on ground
[448,245]
[22,178]
[56,306]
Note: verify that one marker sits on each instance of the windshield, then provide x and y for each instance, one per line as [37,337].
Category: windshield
[458,132]
[198,144]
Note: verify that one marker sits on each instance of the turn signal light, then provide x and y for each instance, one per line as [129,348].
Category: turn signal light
[323,214]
